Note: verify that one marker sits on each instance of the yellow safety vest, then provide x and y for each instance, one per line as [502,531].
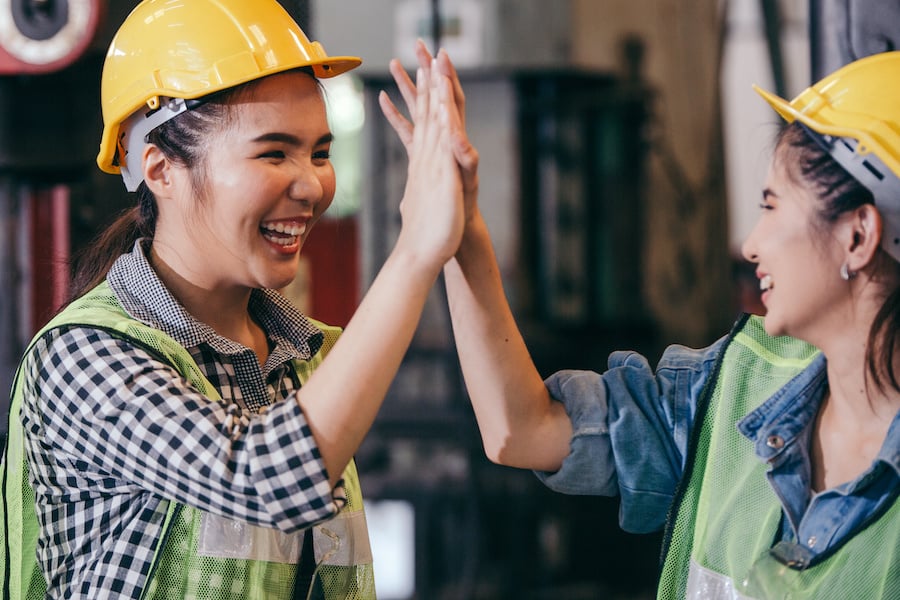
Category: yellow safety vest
[241,565]
[728,517]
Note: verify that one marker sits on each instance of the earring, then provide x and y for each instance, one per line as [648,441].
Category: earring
[846,273]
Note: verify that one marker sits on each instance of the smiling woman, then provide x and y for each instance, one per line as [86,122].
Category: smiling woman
[771,459]
[182,430]
[267,180]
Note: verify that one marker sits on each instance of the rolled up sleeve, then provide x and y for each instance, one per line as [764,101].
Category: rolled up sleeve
[631,427]
[583,395]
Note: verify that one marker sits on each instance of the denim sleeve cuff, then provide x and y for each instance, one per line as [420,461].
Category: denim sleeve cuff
[590,466]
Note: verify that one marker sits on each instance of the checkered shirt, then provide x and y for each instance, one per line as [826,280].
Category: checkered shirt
[111,431]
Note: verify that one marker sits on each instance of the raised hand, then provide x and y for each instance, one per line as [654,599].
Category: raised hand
[465,154]
[432,207]
[520,424]
[343,395]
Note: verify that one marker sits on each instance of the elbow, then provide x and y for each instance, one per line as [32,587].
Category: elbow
[500,452]
[508,452]
[535,448]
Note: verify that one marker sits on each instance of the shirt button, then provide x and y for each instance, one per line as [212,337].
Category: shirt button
[811,542]
[775,441]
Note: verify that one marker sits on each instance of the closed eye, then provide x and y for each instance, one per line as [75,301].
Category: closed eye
[767,195]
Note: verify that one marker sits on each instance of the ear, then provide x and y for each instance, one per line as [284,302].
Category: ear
[865,238]
[156,169]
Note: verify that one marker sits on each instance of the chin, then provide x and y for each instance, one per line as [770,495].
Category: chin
[773,327]
[280,276]
[279,284]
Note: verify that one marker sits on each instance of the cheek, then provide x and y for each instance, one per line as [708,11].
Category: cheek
[329,185]
[782,235]
[800,240]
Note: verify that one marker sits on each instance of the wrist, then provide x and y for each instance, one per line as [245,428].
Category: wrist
[475,233]
[414,261]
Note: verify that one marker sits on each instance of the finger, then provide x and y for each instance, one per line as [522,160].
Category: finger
[404,84]
[435,101]
[423,55]
[426,61]
[436,97]
[397,121]
[453,134]
[463,151]
[422,106]
[401,77]
[445,65]
[435,123]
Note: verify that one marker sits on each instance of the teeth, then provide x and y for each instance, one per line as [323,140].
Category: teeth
[282,241]
[288,233]
[765,283]
[289,229]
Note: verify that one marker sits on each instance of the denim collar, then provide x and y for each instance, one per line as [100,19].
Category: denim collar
[786,415]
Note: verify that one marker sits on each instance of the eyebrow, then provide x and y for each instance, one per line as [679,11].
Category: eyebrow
[768,193]
[287,138]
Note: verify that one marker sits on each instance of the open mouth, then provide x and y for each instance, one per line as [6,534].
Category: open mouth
[765,284]
[283,234]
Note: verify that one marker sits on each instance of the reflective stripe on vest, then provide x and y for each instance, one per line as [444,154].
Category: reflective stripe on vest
[729,515]
[225,538]
[180,569]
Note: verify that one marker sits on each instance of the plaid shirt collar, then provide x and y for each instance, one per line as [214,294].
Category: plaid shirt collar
[144,296]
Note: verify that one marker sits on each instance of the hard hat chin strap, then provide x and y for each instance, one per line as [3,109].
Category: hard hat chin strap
[871,172]
[136,129]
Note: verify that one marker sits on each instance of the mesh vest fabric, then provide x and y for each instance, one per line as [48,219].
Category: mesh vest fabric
[728,517]
[178,571]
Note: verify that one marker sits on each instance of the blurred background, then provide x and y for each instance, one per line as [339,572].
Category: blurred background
[622,157]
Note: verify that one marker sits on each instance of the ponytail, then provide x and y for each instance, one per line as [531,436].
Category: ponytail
[92,263]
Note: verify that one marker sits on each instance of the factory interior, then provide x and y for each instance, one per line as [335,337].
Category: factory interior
[622,156]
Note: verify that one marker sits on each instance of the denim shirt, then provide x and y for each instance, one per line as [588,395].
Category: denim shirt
[631,428]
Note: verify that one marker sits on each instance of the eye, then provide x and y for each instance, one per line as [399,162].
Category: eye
[322,155]
[765,206]
[276,154]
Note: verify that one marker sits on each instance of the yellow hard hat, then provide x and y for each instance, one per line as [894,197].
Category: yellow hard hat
[187,49]
[855,113]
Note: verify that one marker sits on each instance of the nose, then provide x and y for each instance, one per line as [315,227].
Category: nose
[748,248]
[747,252]
[306,185]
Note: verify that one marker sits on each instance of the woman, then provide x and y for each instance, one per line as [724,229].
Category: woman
[772,458]
[181,424]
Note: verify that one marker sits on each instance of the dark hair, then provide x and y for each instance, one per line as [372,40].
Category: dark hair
[839,192]
[182,140]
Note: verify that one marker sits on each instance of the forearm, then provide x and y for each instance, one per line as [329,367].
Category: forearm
[346,391]
[520,425]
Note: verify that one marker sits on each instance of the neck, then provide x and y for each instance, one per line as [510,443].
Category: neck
[843,337]
[852,391]
[223,308]
[850,429]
